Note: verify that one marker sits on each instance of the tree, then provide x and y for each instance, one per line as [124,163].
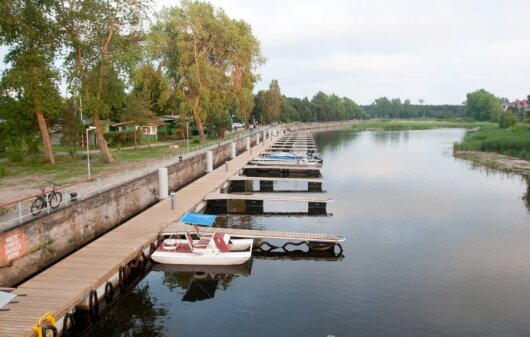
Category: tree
[139,112]
[482,105]
[28,27]
[210,60]
[270,101]
[99,35]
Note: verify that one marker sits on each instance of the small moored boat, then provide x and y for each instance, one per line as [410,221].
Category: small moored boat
[199,248]
[213,249]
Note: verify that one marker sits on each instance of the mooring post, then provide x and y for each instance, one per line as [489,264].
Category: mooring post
[248,143]
[226,166]
[257,138]
[66,197]
[233,148]
[162,183]
[99,185]
[209,161]
[173,201]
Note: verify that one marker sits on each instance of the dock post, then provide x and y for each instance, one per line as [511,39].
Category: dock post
[226,166]
[19,212]
[173,201]
[317,208]
[266,186]
[233,147]
[217,206]
[162,183]
[257,138]
[248,143]
[238,186]
[314,187]
[209,161]
[254,206]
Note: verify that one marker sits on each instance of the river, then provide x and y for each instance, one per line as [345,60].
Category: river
[434,247]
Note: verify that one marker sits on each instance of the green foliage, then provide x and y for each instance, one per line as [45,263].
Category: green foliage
[2,171]
[400,125]
[483,106]
[120,138]
[514,141]
[507,119]
[196,140]
[209,59]
[395,108]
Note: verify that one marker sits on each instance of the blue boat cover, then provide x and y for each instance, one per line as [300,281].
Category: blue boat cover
[198,219]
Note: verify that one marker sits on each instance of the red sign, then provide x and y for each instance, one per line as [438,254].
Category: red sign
[12,246]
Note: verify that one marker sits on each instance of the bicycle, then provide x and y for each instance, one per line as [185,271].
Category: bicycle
[53,199]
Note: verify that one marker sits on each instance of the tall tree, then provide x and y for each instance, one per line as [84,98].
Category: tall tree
[29,29]
[270,101]
[482,105]
[99,34]
[210,59]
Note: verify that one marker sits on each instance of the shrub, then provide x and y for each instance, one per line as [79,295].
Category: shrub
[2,171]
[507,119]
[196,140]
[120,138]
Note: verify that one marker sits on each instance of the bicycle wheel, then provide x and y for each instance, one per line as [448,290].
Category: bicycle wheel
[55,199]
[37,205]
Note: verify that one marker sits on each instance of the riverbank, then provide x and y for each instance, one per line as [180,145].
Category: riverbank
[402,124]
[512,142]
[496,161]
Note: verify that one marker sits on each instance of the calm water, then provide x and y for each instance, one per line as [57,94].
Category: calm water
[434,248]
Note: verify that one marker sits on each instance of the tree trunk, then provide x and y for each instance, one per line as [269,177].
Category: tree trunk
[46,142]
[198,119]
[102,143]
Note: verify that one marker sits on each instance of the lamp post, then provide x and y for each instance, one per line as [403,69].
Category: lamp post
[187,135]
[88,150]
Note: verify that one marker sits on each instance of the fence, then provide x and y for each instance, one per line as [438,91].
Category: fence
[17,212]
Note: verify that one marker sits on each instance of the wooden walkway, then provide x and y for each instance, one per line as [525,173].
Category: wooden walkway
[178,228]
[68,282]
[294,180]
[290,197]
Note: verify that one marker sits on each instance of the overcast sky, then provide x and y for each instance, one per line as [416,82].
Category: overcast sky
[365,49]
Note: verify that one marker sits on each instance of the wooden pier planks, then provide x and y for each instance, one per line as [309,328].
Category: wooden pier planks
[176,228]
[269,197]
[75,276]
[294,180]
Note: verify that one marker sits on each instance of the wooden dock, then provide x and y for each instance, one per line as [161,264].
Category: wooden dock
[69,282]
[179,228]
[294,180]
[287,197]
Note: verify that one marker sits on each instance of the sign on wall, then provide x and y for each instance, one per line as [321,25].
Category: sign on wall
[12,246]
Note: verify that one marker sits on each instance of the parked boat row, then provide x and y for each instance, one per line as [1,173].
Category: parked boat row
[288,158]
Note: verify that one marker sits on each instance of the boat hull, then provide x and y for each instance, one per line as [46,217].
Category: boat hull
[219,259]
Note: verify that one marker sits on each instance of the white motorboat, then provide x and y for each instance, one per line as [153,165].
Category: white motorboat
[210,249]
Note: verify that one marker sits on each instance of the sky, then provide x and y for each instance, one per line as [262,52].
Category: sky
[365,49]
[410,49]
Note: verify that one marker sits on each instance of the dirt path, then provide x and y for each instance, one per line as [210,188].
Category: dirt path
[496,161]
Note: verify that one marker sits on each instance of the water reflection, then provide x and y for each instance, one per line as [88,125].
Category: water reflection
[200,282]
[526,196]
[139,314]
[335,141]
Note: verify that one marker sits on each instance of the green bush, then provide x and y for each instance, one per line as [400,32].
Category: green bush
[120,138]
[2,171]
[196,140]
[507,119]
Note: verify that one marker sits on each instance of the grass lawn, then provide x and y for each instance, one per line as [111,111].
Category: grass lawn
[514,141]
[406,124]
[70,168]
